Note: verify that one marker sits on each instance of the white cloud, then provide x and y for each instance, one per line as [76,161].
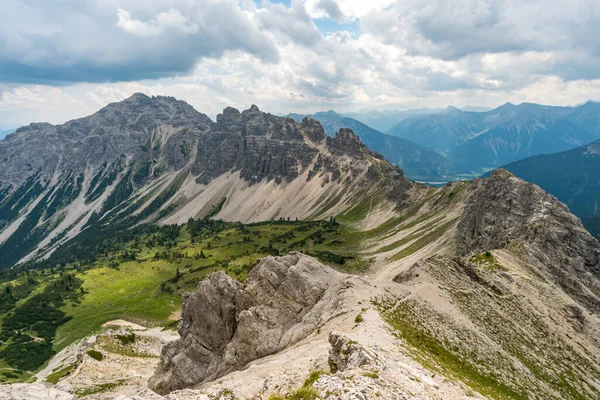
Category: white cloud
[293,22]
[350,8]
[121,40]
[172,19]
[409,53]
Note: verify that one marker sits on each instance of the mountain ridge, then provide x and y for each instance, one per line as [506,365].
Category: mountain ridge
[417,162]
[488,288]
[155,159]
[480,141]
[572,176]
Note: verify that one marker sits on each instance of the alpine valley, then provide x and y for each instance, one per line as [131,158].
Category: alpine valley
[148,252]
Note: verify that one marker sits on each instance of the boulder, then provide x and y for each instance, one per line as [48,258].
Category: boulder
[346,353]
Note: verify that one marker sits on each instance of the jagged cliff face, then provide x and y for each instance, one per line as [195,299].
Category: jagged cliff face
[157,159]
[226,324]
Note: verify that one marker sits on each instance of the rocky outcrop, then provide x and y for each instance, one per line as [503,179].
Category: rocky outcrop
[507,212]
[346,353]
[226,324]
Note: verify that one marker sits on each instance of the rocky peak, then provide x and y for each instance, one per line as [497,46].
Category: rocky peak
[346,141]
[314,129]
[228,113]
[505,212]
[35,126]
[452,110]
[137,97]
[140,112]
[230,120]
[501,173]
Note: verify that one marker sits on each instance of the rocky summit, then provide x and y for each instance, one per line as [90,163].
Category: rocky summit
[156,254]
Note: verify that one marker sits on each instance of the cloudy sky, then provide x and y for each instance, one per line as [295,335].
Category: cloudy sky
[61,59]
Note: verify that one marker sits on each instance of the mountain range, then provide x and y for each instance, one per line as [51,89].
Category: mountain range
[383,120]
[478,141]
[293,265]
[157,159]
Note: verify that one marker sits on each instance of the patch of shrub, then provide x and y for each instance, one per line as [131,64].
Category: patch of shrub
[25,353]
[314,376]
[58,375]
[126,339]
[96,355]
[304,393]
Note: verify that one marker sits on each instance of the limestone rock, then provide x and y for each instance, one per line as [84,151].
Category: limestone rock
[348,354]
[507,212]
[227,324]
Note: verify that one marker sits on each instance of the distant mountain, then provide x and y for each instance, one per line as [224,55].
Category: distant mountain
[586,116]
[417,162]
[382,120]
[476,108]
[442,131]
[572,176]
[484,140]
[528,133]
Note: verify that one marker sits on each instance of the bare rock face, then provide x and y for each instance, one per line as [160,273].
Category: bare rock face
[507,212]
[346,353]
[227,324]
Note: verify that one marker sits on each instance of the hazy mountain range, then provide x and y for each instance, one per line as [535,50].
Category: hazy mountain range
[480,140]
[383,120]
